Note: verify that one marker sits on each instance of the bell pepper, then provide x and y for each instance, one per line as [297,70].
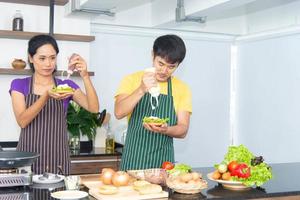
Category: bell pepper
[242,171]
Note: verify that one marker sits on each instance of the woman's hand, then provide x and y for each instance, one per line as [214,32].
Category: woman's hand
[59,96]
[148,81]
[156,128]
[79,64]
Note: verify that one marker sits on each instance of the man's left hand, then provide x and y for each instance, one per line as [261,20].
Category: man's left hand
[156,128]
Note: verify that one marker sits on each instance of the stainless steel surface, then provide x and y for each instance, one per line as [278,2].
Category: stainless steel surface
[21,177]
[15,159]
[15,196]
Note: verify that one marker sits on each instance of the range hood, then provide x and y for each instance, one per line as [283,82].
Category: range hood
[93,7]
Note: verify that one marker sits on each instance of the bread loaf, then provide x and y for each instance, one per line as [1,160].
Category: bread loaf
[108,189]
[150,189]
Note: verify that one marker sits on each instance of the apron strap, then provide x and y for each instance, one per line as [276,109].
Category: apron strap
[170,86]
[31,85]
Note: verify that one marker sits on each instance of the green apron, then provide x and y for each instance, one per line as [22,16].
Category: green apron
[143,148]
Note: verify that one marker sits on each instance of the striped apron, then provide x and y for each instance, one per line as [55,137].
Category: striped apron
[46,135]
[145,149]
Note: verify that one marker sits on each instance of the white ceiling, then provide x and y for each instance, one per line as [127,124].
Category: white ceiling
[213,9]
[223,16]
[116,5]
[236,8]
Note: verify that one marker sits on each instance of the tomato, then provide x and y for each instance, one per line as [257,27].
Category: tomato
[232,165]
[243,171]
[167,165]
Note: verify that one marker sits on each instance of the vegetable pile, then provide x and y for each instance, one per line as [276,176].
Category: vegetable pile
[182,179]
[180,169]
[240,164]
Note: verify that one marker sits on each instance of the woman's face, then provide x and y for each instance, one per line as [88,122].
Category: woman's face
[164,70]
[44,60]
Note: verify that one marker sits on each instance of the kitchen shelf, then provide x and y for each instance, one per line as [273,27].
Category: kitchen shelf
[37,2]
[27,35]
[11,71]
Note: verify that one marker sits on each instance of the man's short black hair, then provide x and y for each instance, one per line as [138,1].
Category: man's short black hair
[169,47]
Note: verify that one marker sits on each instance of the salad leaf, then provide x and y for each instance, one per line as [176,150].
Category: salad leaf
[155,120]
[238,153]
[180,169]
[62,88]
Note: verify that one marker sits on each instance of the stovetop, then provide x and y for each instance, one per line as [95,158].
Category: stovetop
[15,177]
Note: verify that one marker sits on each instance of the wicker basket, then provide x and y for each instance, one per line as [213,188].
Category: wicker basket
[195,191]
[184,188]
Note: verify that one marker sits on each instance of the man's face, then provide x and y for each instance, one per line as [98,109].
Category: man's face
[164,70]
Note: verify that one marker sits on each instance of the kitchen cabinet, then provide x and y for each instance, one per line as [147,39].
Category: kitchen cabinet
[94,161]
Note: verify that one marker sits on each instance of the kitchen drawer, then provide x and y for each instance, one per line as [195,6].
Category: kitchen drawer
[94,164]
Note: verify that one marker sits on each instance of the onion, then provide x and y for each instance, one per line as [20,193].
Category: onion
[120,178]
[106,176]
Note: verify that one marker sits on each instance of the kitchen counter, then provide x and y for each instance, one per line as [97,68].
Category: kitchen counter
[284,184]
[96,151]
[94,160]
[85,149]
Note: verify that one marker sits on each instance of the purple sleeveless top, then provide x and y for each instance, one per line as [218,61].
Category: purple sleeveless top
[22,85]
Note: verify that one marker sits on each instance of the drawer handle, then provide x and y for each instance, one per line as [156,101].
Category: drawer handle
[92,161]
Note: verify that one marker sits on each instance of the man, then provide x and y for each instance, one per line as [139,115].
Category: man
[148,145]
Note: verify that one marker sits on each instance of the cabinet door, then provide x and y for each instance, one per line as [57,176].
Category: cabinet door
[93,165]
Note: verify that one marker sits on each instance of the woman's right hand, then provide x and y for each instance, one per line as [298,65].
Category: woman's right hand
[59,96]
[148,81]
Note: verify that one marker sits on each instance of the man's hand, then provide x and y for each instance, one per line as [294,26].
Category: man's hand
[162,128]
[148,81]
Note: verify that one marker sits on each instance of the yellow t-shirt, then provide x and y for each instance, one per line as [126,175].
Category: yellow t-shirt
[182,95]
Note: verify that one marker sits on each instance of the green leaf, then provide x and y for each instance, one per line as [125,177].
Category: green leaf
[82,121]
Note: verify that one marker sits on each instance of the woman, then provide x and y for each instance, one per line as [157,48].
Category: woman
[41,113]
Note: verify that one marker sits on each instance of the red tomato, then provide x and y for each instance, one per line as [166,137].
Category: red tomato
[167,165]
[232,166]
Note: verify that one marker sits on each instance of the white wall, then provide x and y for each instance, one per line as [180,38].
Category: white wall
[275,17]
[35,20]
[122,50]
[268,96]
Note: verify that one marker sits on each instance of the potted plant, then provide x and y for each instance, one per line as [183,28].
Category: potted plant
[82,122]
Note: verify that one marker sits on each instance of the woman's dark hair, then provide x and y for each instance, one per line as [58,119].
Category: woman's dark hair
[36,42]
[169,47]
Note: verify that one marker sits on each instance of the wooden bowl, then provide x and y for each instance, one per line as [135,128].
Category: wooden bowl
[18,64]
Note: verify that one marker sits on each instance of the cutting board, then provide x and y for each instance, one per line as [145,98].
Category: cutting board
[86,179]
[124,193]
